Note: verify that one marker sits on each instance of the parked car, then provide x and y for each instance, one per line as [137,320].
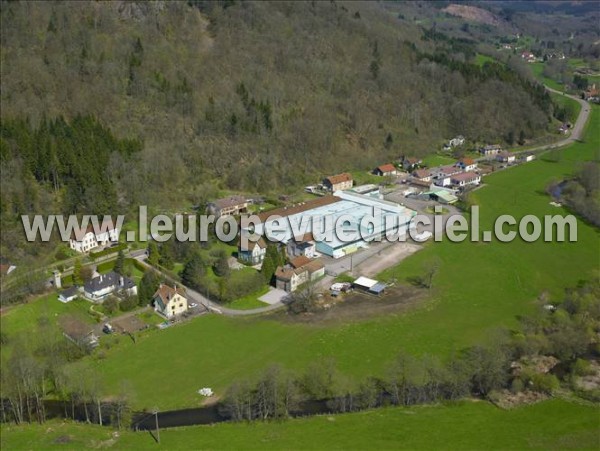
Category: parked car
[193,305]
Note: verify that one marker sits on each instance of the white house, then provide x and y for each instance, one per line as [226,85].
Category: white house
[68,295]
[85,240]
[443,174]
[252,251]
[465,179]
[100,287]
[466,164]
[506,157]
[169,301]
[301,246]
[490,150]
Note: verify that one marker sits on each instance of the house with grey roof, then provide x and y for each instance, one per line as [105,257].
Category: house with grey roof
[100,287]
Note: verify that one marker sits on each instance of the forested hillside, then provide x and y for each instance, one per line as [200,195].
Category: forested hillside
[260,97]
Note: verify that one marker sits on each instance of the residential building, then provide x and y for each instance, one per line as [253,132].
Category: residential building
[289,278]
[303,245]
[228,206]
[424,175]
[465,179]
[169,301]
[68,295]
[410,163]
[100,287]
[338,182]
[527,158]
[385,170]
[84,240]
[443,174]
[490,150]
[506,157]
[455,142]
[466,164]
[252,251]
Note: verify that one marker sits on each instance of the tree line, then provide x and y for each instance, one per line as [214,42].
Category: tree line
[566,332]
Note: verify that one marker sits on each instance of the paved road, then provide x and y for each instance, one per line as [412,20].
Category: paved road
[576,132]
[195,296]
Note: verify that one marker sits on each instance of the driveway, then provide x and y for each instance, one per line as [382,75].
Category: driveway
[273,296]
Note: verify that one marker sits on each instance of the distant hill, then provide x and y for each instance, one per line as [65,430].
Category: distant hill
[260,97]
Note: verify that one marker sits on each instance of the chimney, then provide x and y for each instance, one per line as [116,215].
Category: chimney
[121,281]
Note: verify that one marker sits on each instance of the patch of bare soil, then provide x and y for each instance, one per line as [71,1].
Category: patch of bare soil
[590,381]
[358,305]
[473,13]
[509,400]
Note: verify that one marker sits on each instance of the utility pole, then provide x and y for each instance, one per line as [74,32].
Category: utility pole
[157,429]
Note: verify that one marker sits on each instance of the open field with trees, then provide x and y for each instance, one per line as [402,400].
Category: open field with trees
[496,283]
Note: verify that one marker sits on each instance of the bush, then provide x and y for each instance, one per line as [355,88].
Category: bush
[544,383]
[128,304]
[110,250]
[582,368]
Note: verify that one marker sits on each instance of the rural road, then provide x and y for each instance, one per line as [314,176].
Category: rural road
[576,132]
[211,306]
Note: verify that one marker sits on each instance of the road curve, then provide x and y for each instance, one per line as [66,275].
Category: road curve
[211,306]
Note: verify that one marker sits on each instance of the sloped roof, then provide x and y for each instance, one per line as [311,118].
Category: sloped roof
[299,261]
[299,208]
[467,161]
[387,168]
[422,173]
[228,202]
[166,293]
[79,233]
[252,244]
[339,178]
[465,176]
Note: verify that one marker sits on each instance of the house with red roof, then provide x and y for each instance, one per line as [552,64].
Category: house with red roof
[385,170]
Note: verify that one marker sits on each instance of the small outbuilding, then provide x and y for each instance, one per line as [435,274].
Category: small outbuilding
[369,285]
[68,295]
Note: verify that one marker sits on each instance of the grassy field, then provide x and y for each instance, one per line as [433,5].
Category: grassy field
[481,59]
[249,302]
[432,161]
[20,318]
[480,286]
[466,425]
[537,69]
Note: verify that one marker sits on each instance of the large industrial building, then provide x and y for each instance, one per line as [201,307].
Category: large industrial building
[361,219]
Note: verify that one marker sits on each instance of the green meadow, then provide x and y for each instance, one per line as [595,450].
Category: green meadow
[479,287]
[466,425]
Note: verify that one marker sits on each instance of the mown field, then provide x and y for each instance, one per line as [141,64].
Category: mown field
[467,425]
[479,287]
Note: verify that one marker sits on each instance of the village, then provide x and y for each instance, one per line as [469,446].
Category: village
[332,268]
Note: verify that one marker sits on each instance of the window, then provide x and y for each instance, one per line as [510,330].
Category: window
[180,305]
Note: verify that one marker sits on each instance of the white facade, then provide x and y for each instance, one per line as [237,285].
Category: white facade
[90,240]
